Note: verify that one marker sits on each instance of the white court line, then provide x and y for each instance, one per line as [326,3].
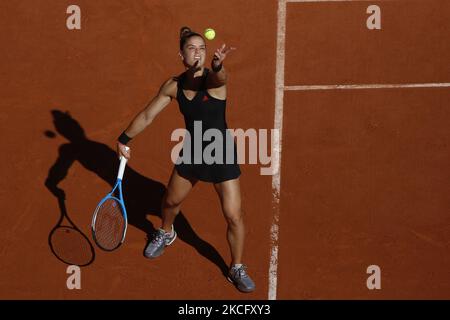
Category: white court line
[276,149]
[366,86]
[278,124]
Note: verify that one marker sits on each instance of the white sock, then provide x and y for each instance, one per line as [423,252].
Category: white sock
[171,231]
[237,265]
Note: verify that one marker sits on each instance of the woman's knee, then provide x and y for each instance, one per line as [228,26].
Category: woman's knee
[170,201]
[234,216]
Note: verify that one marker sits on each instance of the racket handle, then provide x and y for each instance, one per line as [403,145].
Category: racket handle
[123,163]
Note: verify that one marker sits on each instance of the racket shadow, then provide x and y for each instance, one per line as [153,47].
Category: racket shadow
[68,243]
[143,196]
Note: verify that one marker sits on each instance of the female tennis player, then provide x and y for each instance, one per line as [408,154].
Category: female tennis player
[201,95]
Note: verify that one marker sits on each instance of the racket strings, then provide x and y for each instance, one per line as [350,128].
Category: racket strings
[109,225]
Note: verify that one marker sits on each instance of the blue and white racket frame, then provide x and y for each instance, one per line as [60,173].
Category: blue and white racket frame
[118,185]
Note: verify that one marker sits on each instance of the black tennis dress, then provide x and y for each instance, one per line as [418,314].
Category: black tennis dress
[209,155]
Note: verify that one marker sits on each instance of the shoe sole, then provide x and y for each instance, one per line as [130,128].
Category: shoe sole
[154,256]
[240,289]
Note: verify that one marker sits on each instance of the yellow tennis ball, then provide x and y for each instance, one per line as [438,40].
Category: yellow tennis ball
[210,34]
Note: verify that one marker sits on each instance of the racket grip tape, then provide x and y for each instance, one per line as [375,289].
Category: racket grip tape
[123,163]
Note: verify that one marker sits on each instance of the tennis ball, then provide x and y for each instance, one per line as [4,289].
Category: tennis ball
[210,34]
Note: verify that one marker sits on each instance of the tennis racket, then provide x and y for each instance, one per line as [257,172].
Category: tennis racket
[109,222]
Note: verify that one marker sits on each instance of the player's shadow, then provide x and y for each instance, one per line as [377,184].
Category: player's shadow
[143,195]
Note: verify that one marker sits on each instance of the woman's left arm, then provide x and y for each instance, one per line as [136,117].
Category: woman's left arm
[218,76]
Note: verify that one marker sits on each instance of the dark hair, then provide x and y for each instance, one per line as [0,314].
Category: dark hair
[185,34]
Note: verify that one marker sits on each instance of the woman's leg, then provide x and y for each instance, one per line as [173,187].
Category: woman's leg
[230,197]
[176,192]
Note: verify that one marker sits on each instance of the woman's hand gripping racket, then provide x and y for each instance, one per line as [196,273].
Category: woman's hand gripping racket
[109,223]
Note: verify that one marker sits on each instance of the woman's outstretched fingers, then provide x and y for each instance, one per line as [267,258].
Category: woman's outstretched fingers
[221,53]
[230,49]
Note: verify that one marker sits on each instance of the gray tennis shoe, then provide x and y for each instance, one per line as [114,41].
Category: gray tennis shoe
[239,277]
[161,239]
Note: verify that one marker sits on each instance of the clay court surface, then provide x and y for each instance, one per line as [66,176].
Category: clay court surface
[364,172]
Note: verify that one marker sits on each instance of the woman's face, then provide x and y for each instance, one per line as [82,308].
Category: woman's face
[194,49]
